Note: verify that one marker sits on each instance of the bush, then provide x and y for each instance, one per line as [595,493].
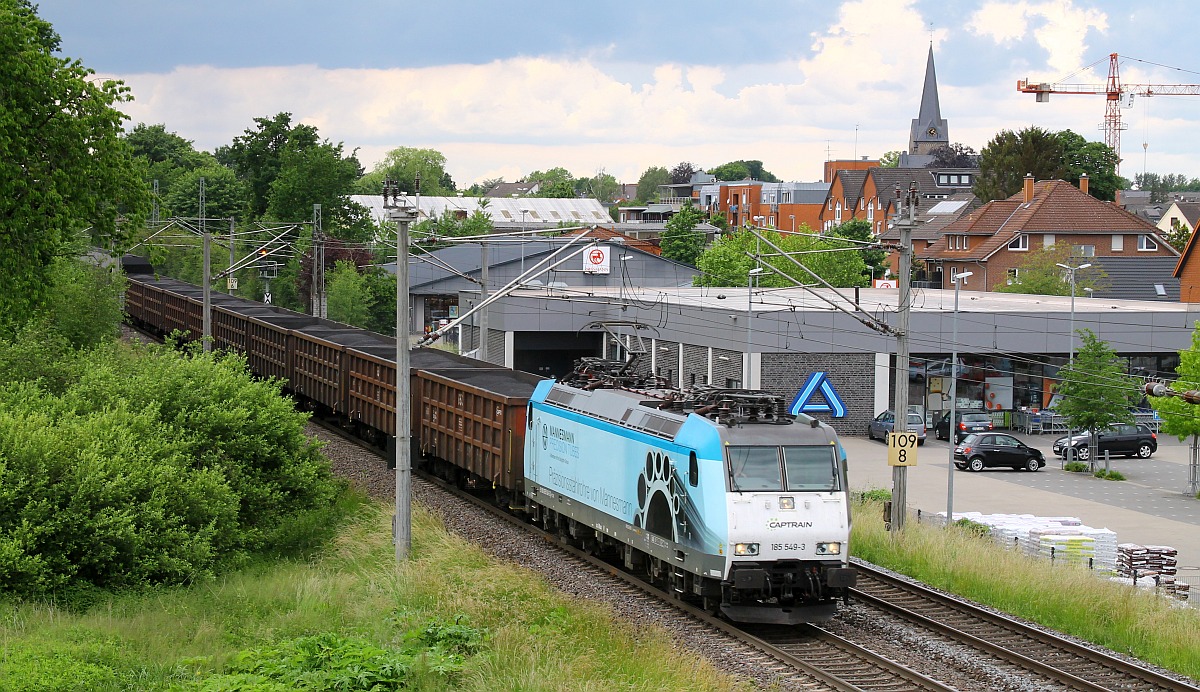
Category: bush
[148,467]
[1076,467]
[1109,475]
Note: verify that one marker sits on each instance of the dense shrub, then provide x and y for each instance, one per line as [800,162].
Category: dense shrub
[145,466]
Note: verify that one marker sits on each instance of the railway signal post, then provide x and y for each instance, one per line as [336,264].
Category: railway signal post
[403,213]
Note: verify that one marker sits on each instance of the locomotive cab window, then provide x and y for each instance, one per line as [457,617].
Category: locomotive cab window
[811,469]
[693,470]
[754,468]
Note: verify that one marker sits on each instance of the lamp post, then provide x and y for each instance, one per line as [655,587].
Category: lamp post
[1071,353]
[793,218]
[1071,277]
[749,312]
[953,429]
[403,213]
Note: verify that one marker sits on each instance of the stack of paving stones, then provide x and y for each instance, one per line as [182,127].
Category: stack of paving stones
[1151,566]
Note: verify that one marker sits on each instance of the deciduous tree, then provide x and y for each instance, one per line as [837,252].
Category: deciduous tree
[1009,156]
[65,166]
[1180,418]
[727,261]
[652,178]
[1039,274]
[1096,390]
[680,239]
[257,155]
[402,165]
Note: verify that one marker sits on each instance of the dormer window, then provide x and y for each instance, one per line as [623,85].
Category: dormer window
[1020,243]
[956,241]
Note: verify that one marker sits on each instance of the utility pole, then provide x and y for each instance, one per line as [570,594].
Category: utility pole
[318,268]
[229,282]
[906,202]
[483,294]
[207,271]
[402,212]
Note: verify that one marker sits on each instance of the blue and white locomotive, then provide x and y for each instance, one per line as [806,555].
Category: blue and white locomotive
[717,494]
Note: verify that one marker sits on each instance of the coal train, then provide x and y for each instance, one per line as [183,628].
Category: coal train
[717,495]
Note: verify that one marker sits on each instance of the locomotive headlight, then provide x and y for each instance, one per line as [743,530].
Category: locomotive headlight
[744,549]
[787,503]
[833,548]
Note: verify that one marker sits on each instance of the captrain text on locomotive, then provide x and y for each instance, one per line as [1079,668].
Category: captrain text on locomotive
[718,495]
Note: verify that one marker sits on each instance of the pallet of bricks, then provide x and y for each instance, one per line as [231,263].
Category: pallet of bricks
[1151,566]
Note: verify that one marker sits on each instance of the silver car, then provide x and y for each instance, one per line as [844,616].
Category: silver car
[885,422]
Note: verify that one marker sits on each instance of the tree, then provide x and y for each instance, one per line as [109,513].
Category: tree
[320,174]
[602,187]
[550,177]
[1179,236]
[348,298]
[682,172]
[1040,274]
[1009,156]
[560,189]
[402,165]
[1161,186]
[890,159]
[680,239]
[1096,159]
[1096,391]
[860,230]
[65,165]
[647,186]
[1179,418]
[166,155]
[734,170]
[742,170]
[955,155]
[727,261]
[225,196]
[257,156]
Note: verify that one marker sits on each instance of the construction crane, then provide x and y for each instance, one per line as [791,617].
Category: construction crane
[1117,96]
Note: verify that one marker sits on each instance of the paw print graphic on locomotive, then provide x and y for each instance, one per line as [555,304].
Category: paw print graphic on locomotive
[717,494]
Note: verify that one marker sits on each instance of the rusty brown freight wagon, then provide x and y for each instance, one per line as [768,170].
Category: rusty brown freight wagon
[474,421]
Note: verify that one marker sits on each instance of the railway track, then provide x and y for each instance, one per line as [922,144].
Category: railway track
[809,657]
[1059,660]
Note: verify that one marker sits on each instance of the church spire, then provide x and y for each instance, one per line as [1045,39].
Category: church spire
[929,129]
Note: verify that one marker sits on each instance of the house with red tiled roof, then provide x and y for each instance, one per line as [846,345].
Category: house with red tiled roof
[993,241]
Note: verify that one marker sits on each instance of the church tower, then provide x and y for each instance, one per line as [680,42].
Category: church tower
[929,130]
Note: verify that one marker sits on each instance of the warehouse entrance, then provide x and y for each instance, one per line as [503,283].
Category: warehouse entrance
[552,354]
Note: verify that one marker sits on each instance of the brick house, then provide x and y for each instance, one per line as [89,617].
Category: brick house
[994,240]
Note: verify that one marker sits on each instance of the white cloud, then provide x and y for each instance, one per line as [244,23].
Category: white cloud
[1059,27]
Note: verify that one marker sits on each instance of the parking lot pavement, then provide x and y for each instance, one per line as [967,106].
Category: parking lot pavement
[1149,507]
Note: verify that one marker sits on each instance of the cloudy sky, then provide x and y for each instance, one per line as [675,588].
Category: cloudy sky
[504,88]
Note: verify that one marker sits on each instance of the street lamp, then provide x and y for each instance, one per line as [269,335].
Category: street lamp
[749,312]
[953,429]
[793,218]
[1071,354]
[758,221]
[1071,277]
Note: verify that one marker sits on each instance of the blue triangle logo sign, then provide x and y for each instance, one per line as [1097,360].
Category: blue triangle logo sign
[832,404]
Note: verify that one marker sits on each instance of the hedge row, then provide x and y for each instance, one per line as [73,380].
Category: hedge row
[125,466]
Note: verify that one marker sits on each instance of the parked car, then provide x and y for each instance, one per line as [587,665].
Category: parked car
[1124,439]
[981,451]
[885,422]
[968,422]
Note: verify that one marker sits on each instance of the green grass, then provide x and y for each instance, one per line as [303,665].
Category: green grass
[347,603]
[1109,475]
[1068,599]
